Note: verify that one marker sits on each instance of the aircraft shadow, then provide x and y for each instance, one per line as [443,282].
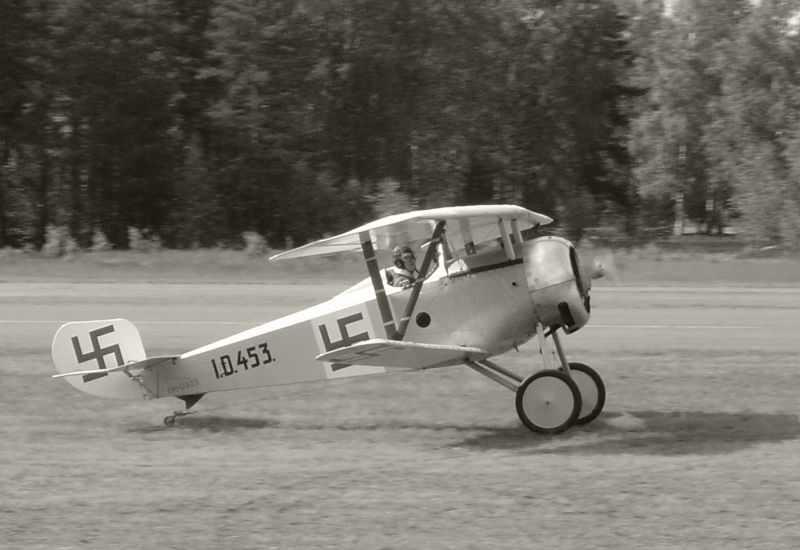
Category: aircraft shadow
[209,423]
[650,433]
[636,432]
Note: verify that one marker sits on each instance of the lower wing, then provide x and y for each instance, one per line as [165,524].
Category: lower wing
[399,354]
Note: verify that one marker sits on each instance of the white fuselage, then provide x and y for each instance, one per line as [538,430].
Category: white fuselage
[488,308]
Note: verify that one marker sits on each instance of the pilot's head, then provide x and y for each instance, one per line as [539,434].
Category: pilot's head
[404,257]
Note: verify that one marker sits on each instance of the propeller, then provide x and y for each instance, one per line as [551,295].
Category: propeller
[598,264]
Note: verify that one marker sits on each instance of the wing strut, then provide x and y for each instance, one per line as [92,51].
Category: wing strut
[501,224]
[377,283]
[426,263]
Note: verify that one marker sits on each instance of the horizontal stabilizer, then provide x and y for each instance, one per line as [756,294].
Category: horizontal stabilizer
[132,366]
[398,354]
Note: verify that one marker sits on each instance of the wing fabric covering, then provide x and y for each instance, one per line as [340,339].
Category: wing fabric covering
[398,354]
[418,226]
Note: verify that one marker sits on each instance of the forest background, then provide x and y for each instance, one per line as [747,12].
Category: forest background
[195,123]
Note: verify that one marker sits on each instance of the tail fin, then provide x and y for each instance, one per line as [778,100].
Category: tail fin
[85,350]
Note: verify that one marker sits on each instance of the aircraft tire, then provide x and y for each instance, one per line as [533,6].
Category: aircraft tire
[593,392]
[548,402]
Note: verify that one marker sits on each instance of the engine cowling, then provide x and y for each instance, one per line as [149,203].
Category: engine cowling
[558,292]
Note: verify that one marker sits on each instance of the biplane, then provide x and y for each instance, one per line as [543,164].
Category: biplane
[489,282]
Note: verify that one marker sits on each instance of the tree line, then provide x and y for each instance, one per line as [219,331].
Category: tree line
[195,121]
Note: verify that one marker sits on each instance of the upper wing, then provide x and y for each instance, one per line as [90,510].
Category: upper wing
[481,222]
[398,354]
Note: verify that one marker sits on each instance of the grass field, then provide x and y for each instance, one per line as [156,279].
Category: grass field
[697,447]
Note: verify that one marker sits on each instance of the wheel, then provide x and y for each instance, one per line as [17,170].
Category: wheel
[169,420]
[548,402]
[593,391]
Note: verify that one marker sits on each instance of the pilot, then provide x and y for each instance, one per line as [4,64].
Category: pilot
[404,272]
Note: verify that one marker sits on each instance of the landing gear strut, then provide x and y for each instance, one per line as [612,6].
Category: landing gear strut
[556,398]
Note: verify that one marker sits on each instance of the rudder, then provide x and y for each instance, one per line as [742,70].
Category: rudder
[96,346]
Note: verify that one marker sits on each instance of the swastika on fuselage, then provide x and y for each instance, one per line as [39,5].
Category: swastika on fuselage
[346,338]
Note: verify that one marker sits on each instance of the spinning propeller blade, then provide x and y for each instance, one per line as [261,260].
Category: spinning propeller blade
[598,264]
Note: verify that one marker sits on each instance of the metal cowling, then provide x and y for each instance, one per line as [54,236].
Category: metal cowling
[552,271]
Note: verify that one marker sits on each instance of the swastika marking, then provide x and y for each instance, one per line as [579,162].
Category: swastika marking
[347,339]
[98,353]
